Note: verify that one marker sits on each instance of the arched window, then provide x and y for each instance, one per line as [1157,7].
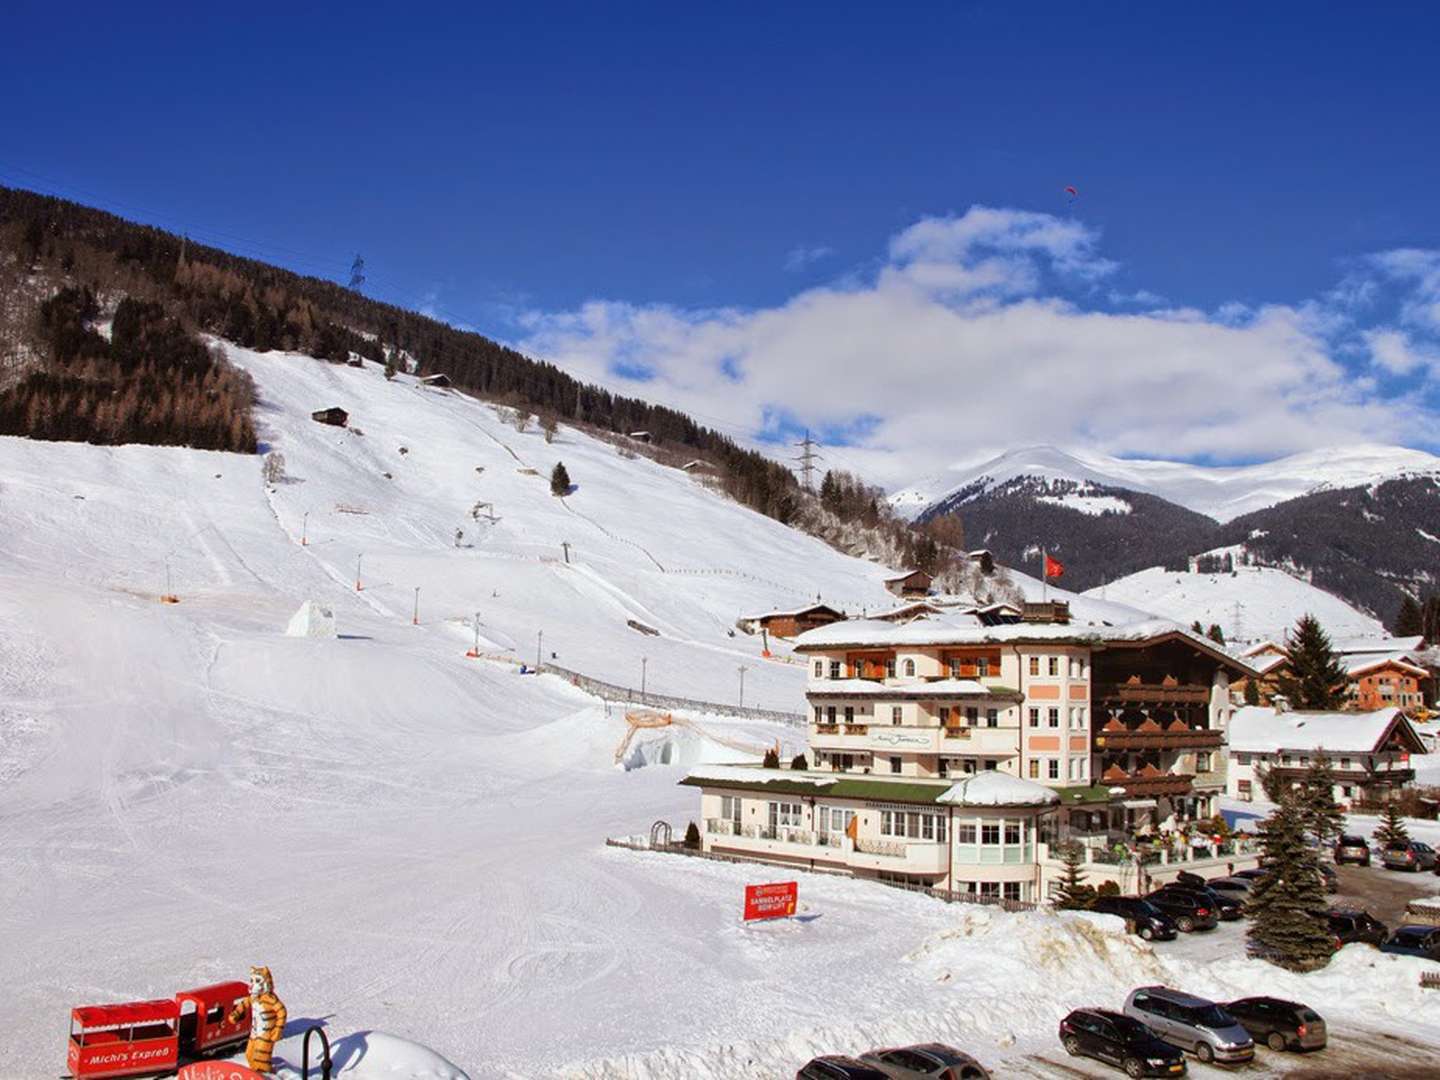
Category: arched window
[909,667]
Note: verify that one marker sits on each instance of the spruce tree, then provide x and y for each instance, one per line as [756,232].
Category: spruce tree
[1319,810]
[1287,906]
[1391,830]
[1317,679]
[1252,691]
[1215,634]
[1409,620]
[771,759]
[559,480]
[1073,894]
[1197,627]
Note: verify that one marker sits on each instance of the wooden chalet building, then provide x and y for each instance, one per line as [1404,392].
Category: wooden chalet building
[1382,671]
[789,624]
[334,415]
[912,584]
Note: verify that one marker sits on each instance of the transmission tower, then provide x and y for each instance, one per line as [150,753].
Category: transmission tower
[807,458]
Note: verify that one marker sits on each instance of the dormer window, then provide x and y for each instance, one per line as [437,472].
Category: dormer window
[909,669]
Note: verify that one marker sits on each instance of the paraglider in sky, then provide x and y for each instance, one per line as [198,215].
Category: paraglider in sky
[1070,190]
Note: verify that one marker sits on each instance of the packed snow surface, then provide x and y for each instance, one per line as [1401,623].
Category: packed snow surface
[1220,492]
[412,839]
[1252,604]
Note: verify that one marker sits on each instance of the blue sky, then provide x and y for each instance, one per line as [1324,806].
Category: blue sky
[646,192]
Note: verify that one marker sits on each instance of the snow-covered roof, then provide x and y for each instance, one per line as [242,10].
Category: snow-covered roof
[1260,729]
[1266,662]
[994,788]
[792,613]
[965,628]
[937,688]
[1266,646]
[1355,645]
[905,574]
[749,774]
[1356,664]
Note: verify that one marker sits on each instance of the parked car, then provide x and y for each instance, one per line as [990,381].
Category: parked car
[1191,1023]
[838,1067]
[1352,849]
[1253,874]
[1120,1040]
[926,1061]
[1238,888]
[1350,927]
[1280,1025]
[1150,922]
[1328,878]
[1189,909]
[1412,855]
[1412,940]
[1229,908]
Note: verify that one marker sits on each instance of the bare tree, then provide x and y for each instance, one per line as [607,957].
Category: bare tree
[274,468]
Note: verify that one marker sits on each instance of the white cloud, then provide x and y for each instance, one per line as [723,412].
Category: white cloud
[801,257]
[964,339]
[1395,352]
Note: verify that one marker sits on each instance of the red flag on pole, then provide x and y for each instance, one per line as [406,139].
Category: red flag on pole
[1053,568]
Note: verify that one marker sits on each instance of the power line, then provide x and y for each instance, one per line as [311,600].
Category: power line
[807,459]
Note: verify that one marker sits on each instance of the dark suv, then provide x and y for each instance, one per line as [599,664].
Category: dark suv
[1189,909]
[1120,1040]
[1226,907]
[1148,921]
[1415,941]
[1352,849]
[1280,1025]
[1357,926]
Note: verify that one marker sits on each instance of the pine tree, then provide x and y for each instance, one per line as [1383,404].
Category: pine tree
[1215,634]
[559,480]
[799,762]
[1391,830]
[1252,692]
[1318,680]
[1409,620]
[1287,905]
[1197,627]
[771,759]
[692,836]
[1319,810]
[1073,894]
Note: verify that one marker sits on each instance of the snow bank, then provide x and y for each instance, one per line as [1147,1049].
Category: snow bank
[312,620]
[371,1055]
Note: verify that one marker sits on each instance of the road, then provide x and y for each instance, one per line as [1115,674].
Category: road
[1383,893]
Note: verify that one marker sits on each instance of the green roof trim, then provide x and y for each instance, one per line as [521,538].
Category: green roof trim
[1092,793]
[842,788]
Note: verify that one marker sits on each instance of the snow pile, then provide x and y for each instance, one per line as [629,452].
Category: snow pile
[313,620]
[994,788]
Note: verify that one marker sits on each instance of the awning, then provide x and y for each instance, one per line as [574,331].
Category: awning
[1139,804]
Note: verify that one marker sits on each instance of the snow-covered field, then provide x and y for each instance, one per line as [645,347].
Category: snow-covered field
[412,840]
[1252,604]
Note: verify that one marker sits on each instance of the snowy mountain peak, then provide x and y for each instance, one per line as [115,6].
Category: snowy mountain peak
[1220,492]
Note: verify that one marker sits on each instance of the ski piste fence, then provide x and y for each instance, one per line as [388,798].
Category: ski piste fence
[629,695]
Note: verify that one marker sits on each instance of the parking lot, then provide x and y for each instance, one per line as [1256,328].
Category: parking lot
[1354,1050]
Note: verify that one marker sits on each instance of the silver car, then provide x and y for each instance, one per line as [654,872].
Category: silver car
[928,1061]
[1191,1023]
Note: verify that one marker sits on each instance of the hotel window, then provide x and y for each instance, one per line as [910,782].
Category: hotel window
[1077,668]
[849,714]
[1344,763]
[819,669]
[1346,791]
[894,763]
[838,820]
[954,669]
[1012,890]
[944,715]
[1202,761]
[990,765]
[972,715]
[1054,716]
[1077,717]
[965,833]
[1242,759]
[927,826]
[990,832]
[897,714]
[1053,665]
[982,667]
[1034,665]
[989,888]
[730,808]
[890,668]
[819,715]
[1034,717]
[830,714]
[968,766]
[1054,768]
[1012,832]
[1075,768]
[992,717]
[834,669]
[1034,768]
[786,814]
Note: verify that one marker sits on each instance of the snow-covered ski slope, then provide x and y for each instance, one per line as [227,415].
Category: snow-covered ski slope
[1252,604]
[413,840]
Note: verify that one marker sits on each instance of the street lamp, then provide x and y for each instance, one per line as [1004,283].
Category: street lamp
[644,660]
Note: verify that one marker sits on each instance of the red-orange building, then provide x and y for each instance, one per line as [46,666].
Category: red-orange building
[1379,682]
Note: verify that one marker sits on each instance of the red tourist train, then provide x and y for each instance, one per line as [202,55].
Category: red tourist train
[145,1038]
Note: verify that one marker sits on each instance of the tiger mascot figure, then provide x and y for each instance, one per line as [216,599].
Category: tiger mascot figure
[267,1020]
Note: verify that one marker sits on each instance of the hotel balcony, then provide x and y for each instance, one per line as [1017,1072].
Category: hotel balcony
[980,741]
[1166,692]
[910,857]
[1149,735]
[1147,781]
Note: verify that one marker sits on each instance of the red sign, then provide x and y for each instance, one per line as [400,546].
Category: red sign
[770,901]
[218,1070]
